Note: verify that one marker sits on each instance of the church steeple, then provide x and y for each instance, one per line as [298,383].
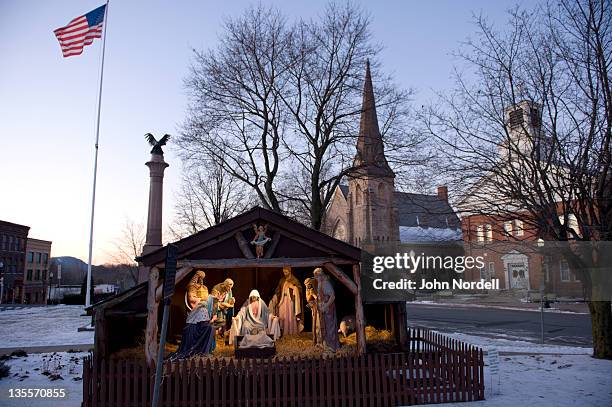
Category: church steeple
[370,159]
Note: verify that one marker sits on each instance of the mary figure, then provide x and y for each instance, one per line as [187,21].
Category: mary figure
[254,319]
[198,336]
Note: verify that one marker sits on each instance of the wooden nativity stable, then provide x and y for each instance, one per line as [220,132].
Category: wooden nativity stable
[223,251]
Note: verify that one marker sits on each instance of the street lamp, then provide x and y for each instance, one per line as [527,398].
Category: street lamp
[541,249]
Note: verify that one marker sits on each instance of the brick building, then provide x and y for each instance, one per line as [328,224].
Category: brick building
[509,244]
[36,277]
[13,239]
[24,269]
[513,256]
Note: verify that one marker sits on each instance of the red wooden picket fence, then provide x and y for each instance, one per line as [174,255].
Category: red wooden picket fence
[436,369]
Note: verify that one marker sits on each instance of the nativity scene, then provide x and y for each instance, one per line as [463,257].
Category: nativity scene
[229,303]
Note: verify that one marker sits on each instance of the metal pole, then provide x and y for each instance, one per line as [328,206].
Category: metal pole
[542,311]
[160,354]
[93,198]
[1,281]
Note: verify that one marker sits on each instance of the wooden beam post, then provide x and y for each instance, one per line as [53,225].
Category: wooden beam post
[101,335]
[270,251]
[401,324]
[180,275]
[277,262]
[339,274]
[152,308]
[244,246]
[359,317]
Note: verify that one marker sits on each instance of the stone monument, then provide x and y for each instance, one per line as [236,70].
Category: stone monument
[156,165]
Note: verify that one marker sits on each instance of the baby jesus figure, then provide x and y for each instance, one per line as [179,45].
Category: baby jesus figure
[260,239]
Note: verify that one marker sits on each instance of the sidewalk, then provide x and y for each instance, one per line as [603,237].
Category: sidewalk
[504,301]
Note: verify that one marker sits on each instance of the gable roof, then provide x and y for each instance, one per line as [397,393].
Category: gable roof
[428,211]
[245,220]
[119,297]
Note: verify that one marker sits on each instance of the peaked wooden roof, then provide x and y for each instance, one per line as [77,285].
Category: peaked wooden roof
[276,221]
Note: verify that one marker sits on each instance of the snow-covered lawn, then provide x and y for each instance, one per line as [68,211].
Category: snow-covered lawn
[549,376]
[42,326]
[548,380]
[60,370]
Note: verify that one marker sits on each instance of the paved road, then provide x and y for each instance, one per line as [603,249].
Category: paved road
[559,328]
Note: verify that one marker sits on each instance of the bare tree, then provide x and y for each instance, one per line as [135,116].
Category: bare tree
[128,245]
[530,133]
[208,196]
[235,113]
[326,66]
[280,105]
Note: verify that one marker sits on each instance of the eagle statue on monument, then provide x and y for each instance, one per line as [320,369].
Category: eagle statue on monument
[157,145]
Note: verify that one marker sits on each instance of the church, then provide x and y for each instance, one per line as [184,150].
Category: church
[369,213]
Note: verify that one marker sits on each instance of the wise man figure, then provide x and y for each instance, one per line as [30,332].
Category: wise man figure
[289,298]
[326,307]
[224,301]
[311,302]
[196,290]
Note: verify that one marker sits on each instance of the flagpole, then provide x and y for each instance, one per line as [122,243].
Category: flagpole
[93,197]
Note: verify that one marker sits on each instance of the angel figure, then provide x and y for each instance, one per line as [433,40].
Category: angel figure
[260,239]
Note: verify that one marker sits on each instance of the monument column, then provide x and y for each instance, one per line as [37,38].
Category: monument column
[156,165]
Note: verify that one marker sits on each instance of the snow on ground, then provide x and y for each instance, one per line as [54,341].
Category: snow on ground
[42,326]
[548,380]
[62,371]
[546,375]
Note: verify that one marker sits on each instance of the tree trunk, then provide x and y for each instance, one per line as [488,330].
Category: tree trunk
[316,209]
[601,321]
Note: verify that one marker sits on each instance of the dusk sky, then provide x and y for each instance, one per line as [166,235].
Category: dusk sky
[48,103]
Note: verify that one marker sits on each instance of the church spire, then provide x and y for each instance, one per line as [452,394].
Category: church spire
[370,158]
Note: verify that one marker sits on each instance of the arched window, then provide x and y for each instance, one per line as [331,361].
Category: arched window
[340,231]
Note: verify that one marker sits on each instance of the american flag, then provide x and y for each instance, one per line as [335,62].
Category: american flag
[80,32]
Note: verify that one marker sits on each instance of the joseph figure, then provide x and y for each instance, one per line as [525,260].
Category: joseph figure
[289,297]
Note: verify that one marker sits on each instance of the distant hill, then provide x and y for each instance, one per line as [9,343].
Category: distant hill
[74,271]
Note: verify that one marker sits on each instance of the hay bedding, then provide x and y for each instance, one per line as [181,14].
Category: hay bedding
[298,345]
